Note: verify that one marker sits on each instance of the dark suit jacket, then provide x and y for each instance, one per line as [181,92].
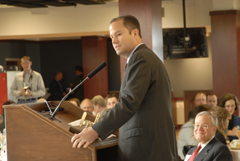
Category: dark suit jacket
[78,93]
[214,151]
[143,112]
[55,90]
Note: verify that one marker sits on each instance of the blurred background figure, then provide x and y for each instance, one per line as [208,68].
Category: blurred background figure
[230,103]
[75,101]
[186,133]
[99,105]
[78,93]
[27,85]
[2,116]
[211,100]
[223,117]
[56,89]
[111,100]
[87,105]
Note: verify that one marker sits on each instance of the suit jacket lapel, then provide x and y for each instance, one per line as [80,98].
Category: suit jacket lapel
[205,150]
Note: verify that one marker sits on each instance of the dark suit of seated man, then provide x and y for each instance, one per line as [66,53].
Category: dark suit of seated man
[209,148]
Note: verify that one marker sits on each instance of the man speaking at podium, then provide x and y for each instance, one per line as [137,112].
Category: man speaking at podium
[143,113]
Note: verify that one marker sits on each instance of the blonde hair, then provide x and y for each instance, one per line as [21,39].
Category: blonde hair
[221,114]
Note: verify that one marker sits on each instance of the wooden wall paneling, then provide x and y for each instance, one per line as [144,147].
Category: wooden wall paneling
[94,53]
[226,52]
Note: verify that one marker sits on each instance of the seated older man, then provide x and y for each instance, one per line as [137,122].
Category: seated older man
[87,105]
[209,148]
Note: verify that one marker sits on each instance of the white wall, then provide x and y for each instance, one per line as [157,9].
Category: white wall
[190,73]
[197,13]
[52,20]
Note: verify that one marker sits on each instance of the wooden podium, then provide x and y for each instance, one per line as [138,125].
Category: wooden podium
[32,136]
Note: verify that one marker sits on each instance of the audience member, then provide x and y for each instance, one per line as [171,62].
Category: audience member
[27,85]
[223,117]
[78,93]
[87,105]
[209,148]
[41,100]
[200,98]
[75,101]
[111,100]
[186,136]
[99,104]
[2,116]
[56,88]
[211,100]
[230,103]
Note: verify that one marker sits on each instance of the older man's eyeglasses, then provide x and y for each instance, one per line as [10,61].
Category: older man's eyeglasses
[204,126]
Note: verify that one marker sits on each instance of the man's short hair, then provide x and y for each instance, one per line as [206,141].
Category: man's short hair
[226,97]
[197,110]
[130,22]
[25,57]
[99,100]
[199,94]
[79,68]
[111,95]
[210,94]
[76,100]
[58,72]
[206,113]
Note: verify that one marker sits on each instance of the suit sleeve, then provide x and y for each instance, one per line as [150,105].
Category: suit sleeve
[135,86]
[223,154]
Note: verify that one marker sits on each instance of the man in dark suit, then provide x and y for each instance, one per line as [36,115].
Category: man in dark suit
[56,88]
[143,112]
[78,93]
[209,148]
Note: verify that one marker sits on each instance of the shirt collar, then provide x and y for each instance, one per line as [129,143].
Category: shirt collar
[130,55]
[205,144]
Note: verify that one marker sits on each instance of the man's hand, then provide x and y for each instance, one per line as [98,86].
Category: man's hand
[86,137]
[30,93]
[22,91]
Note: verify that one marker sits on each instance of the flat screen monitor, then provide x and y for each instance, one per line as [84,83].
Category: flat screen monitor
[192,45]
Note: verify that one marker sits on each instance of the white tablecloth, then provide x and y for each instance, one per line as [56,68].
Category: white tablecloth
[235,154]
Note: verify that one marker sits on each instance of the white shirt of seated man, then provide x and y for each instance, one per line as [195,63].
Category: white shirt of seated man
[204,130]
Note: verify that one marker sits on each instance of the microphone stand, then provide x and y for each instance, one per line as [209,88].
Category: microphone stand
[53,114]
[90,75]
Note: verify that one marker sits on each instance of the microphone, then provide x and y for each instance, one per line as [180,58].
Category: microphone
[90,75]
[96,70]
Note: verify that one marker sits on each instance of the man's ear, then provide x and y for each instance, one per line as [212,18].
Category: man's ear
[215,128]
[135,32]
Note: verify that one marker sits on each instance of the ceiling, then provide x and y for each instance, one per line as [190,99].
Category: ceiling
[46,3]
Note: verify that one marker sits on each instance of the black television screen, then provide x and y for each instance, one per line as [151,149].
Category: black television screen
[192,46]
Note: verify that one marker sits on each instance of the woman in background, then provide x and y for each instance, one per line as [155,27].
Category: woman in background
[223,117]
[230,103]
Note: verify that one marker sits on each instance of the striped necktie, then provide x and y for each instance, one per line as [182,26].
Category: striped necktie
[195,153]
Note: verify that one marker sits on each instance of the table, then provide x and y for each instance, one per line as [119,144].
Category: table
[235,154]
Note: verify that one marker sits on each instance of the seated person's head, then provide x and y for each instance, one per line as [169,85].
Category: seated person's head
[7,103]
[111,100]
[211,100]
[197,110]
[87,105]
[205,127]
[229,102]
[75,101]
[223,117]
[200,98]
[99,104]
